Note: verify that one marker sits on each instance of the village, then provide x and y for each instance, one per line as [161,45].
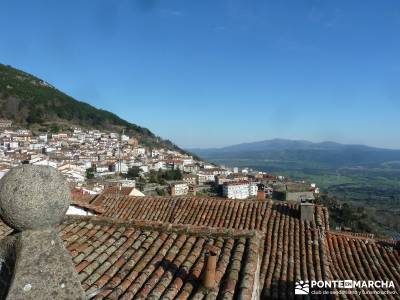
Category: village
[93,160]
[199,150]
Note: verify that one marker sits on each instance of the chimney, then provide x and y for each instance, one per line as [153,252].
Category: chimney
[210,267]
[307,211]
[261,192]
[33,202]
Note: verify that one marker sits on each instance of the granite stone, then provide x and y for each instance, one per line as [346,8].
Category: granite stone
[33,197]
[33,261]
[43,268]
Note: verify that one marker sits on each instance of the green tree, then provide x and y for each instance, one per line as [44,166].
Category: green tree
[133,172]
[153,178]
[90,173]
[172,175]
[160,192]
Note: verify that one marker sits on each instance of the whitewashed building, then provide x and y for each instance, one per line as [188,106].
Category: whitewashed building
[179,188]
[120,167]
[239,190]
[203,177]
[253,189]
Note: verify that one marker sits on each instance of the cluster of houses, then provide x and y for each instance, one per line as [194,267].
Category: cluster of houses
[92,160]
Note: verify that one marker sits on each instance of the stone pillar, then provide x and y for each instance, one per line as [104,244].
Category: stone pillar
[33,201]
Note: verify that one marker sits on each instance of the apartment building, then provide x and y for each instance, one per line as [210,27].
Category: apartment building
[190,179]
[178,188]
[239,189]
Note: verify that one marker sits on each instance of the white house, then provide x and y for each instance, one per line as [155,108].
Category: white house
[139,151]
[50,149]
[120,167]
[145,169]
[45,162]
[113,135]
[73,175]
[155,153]
[179,188]
[102,169]
[187,161]
[239,189]
[159,165]
[208,166]
[252,189]
[13,145]
[203,177]
[36,146]
[235,190]
[43,138]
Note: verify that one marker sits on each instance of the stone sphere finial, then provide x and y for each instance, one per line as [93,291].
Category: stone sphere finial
[33,197]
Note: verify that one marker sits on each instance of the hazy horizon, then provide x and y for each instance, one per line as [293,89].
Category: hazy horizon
[211,74]
[288,139]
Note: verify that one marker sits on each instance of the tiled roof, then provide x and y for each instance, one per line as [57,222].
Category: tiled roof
[360,258]
[117,191]
[202,211]
[292,249]
[142,260]
[84,201]
[96,209]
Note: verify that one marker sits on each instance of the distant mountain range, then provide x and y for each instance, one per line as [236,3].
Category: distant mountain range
[329,154]
[33,103]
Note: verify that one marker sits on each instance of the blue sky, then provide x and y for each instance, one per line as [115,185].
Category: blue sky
[213,73]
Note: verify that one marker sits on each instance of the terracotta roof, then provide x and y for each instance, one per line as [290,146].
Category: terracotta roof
[359,258]
[118,191]
[292,249]
[142,260]
[203,211]
[161,252]
[97,209]
[79,196]
[84,201]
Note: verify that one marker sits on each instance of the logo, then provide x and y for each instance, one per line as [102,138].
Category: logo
[302,288]
[336,287]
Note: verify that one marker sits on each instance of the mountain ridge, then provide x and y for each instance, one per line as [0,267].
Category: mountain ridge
[284,144]
[328,154]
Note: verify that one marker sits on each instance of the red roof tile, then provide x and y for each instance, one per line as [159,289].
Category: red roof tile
[292,249]
[159,252]
[117,191]
[140,260]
